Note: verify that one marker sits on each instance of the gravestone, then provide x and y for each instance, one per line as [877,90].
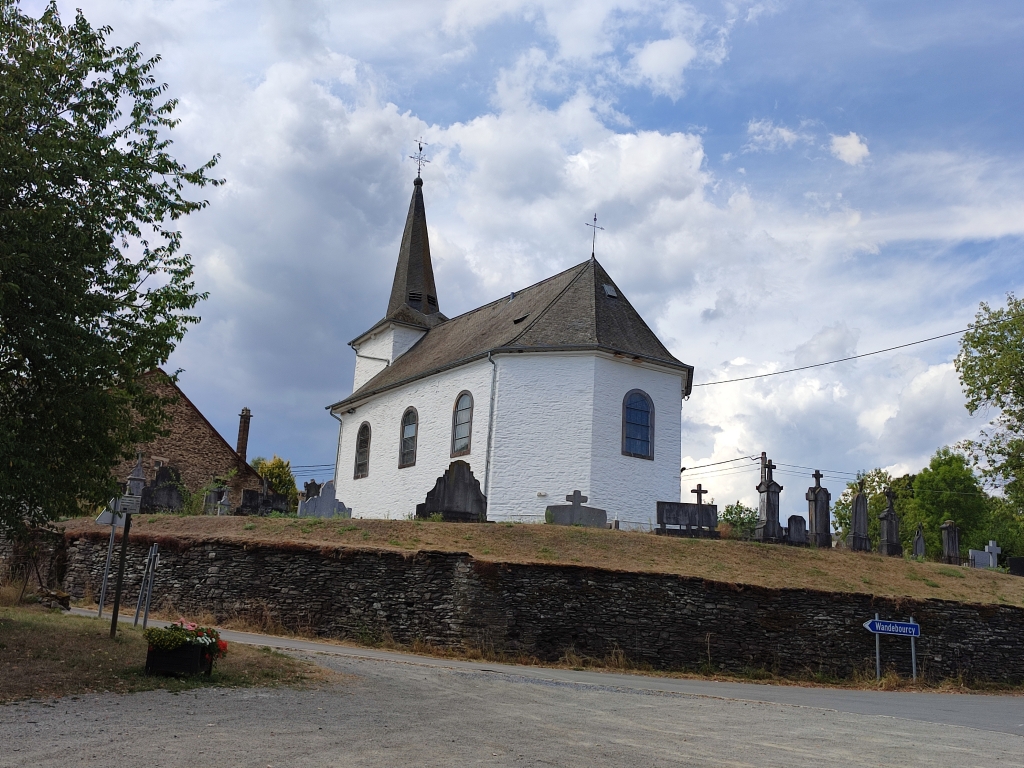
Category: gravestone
[575,513]
[985,558]
[858,539]
[919,541]
[695,521]
[796,533]
[889,523]
[768,528]
[262,502]
[456,496]
[214,500]
[164,494]
[312,489]
[819,514]
[950,543]
[324,504]
[1016,565]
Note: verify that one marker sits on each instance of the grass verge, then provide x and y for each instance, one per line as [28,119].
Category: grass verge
[46,654]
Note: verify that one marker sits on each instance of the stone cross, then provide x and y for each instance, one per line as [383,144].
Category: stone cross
[890,494]
[768,469]
[993,549]
[577,498]
[768,527]
[700,495]
[817,478]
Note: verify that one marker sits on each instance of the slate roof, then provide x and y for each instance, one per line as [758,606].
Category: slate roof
[569,311]
[414,274]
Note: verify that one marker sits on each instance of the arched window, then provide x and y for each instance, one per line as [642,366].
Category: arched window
[462,424]
[362,451]
[638,425]
[407,444]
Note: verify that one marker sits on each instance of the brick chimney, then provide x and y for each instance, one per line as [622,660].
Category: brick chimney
[243,433]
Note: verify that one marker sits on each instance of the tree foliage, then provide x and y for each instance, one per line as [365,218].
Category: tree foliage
[741,520]
[947,489]
[991,368]
[278,473]
[94,290]
[875,483]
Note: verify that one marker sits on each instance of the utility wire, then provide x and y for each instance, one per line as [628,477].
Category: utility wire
[866,354]
[716,463]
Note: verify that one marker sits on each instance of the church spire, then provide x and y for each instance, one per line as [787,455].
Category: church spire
[414,276]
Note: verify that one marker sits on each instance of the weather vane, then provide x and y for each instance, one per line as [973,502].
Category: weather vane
[418,157]
[593,243]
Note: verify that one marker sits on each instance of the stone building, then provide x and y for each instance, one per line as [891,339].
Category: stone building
[559,386]
[194,449]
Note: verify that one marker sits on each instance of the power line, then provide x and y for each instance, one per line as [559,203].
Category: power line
[833,471]
[716,463]
[830,362]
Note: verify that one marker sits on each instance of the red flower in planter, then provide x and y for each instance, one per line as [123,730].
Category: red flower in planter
[222,645]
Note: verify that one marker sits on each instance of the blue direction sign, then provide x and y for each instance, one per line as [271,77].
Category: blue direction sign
[902,628]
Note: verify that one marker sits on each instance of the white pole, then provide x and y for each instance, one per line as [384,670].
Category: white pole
[110,554]
[878,655]
[913,653]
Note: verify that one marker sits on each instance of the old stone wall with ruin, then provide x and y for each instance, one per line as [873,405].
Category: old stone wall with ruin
[192,446]
[666,621]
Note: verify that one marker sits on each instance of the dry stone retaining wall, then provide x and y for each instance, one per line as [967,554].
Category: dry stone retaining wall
[669,622]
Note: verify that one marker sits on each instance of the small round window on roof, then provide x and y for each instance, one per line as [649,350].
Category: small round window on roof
[610,292]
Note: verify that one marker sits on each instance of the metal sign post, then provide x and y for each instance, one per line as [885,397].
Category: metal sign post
[113,516]
[146,590]
[129,507]
[909,629]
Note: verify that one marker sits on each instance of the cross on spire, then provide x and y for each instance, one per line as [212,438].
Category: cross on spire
[418,157]
[700,494]
[593,242]
[890,495]
[817,478]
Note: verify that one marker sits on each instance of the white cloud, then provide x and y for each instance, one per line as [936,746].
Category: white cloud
[766,136]
[661,63]
[851,148]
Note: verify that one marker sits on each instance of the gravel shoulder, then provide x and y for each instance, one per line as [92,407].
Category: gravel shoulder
[392,712]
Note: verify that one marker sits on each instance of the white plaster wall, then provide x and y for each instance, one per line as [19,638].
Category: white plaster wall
[542,438]
[390,492]
[626,486]
[387,345]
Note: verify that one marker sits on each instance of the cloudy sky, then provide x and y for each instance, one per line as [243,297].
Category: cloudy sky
[781,182]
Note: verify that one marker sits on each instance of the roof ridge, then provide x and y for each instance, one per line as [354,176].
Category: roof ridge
[521,290]
[582,269]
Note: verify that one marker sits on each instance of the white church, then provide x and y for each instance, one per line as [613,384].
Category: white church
[555,387]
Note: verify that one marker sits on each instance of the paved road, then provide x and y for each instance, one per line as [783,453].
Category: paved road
[392,709]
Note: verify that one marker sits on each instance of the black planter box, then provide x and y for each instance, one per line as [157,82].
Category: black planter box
[189,659]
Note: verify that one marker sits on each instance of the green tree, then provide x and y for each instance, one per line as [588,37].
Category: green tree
[94,290]
[947,489]
[741,519]
[991,368]
[278,473]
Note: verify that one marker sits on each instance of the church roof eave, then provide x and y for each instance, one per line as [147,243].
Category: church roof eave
[363,393]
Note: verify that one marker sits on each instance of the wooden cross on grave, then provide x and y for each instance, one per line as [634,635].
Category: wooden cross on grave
[577,498]
[700,494]
[817,478]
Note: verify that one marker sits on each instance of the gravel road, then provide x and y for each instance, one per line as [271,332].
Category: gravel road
[388,713]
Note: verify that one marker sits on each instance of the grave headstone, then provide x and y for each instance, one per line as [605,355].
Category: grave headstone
[262,502]
[993,549]
[1016,565]
[686,519]
[768,528]
[919,541]
[796,533]
[858,539]
[164,494]
[575,513]
[324,504]
[889,523]
[950,543]
[819,513]
[456,496]
[312,489]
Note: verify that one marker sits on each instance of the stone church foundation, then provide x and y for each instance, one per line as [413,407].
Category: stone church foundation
[665,621]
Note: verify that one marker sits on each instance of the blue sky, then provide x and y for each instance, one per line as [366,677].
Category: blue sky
[781,183]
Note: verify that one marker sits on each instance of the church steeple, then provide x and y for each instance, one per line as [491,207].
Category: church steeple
[414,276]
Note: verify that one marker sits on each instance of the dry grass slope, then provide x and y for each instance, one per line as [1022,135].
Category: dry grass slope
[44,654]
[727,561]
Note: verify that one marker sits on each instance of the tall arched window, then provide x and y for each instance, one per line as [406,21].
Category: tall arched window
[362,451]
[462,424]
[638,425]
[407,444]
